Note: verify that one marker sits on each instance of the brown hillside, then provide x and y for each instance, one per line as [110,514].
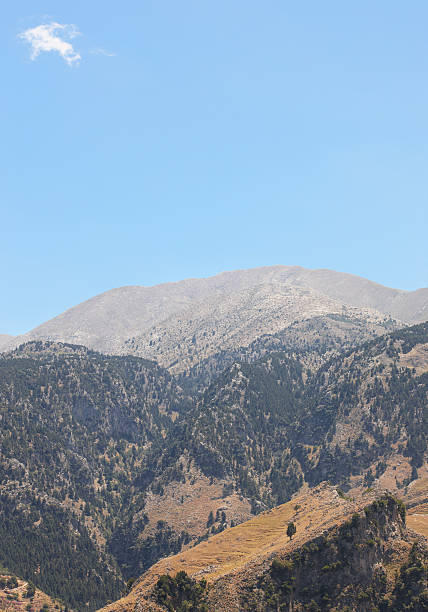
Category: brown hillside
[229,559]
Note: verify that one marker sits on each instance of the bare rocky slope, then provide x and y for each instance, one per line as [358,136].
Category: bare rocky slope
[185,322]
[5,340]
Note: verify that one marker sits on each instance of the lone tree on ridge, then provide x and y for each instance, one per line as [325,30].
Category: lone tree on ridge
[291,530]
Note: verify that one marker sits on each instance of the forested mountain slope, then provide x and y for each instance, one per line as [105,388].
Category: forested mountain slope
[74,427]
[369,403]
[359,405]
[311,341]
[263,430]
[107,463]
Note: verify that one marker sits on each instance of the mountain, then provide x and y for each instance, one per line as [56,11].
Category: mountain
[312,341]
[345,554]
[222,324]
[109,464]
[181,324]
[261,431]
[74,426]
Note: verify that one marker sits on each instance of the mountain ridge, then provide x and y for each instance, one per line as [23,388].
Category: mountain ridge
[230,309]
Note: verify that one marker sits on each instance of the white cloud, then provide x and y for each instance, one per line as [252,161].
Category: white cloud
[102,52]
[53,37]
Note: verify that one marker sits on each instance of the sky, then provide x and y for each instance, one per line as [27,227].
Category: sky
[150,141]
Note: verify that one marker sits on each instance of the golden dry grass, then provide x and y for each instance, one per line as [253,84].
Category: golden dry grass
[186,506]
[417,499]
[419,523]
[263,536]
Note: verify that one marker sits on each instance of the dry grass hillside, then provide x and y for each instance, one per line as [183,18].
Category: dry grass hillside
[236,556]
[416,498]
[187,505]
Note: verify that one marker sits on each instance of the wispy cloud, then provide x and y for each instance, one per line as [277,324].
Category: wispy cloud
[53,37]
[102,52]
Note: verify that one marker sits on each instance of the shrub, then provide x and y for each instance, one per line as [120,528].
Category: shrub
[281,565]
[181,593]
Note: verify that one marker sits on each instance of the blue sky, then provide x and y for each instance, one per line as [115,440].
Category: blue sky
[194,137]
